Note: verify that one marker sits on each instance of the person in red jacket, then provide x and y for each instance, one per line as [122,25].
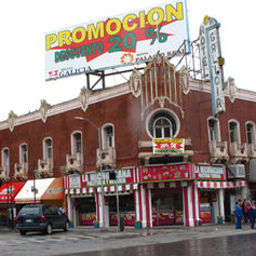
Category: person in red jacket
[245,210]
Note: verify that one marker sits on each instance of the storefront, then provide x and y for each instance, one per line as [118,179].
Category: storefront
[84,197]
[8,209]
[183,193]
[217,198]
[43,191]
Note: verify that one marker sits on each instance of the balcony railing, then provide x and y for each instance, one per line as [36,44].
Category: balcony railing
[238,152]
[107,158]
[45,168]
[218,151]
[74,163]
[251,150]
[20,171]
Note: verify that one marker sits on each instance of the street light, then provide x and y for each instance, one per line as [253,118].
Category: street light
[101,171]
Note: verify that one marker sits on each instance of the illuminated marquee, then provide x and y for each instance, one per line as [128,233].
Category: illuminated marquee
[121,40]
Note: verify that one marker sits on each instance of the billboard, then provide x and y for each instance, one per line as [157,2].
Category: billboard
[168,145]
[131,38]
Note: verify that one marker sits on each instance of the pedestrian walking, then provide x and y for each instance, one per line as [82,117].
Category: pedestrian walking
[252,214]
[238,214]
[245,210]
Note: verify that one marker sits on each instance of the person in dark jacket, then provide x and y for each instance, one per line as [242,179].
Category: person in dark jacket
[238,214]
[252,214]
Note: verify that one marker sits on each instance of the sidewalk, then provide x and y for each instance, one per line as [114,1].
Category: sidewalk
[175,233]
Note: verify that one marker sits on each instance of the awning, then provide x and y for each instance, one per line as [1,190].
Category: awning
[46,189]
[221,184]
[9,191]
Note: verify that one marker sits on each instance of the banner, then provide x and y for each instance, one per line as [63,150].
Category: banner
[131,38]
[165,173]
[168,145]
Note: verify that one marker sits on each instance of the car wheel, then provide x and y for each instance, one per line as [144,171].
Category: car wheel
[48,229]
[66,228]
[22,232]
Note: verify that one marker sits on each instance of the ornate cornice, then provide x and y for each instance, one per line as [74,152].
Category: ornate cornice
[95,97]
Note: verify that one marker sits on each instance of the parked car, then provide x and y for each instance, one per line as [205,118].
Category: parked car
[43,218]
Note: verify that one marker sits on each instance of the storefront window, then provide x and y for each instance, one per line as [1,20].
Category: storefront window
[86,208]
[167,207]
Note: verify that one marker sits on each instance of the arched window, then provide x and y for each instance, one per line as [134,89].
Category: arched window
[162,128]
[47,149]
[163,124]
[250,131]
[6,160]
[213,129]
[76,142]
[108,136]
[23,153]
[234,132]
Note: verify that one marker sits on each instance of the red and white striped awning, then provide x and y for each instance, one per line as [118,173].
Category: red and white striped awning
[107,189]
[221,184]
[173,184]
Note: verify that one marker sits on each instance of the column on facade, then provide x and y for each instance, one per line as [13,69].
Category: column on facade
[143,206]
[221,203]
[191,200]
[99,209]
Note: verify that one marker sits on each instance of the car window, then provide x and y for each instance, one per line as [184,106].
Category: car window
[30,210]
[54,210]
[47,210]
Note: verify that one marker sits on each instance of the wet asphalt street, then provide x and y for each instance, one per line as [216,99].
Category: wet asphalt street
[237,245]
[205,240]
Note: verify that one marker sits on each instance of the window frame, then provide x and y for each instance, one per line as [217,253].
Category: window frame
[253,132]
[45,148]
[21,153]
[104,136]
[216,129]
[238,138]
[166,112]
[3,159]
[162,127]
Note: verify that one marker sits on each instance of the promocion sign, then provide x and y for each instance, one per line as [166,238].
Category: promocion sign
[122,40]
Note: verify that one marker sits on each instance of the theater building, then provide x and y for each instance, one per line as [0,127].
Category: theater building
[175,162]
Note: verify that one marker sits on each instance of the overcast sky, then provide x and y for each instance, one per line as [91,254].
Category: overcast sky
[22,43]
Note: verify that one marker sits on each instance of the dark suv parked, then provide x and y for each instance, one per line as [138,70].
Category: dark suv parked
[41,218]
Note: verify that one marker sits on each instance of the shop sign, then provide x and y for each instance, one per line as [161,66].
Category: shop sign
[168,145]
[74,181]
[212,62]
[165,173]
[209,172]
[124,176]
[121,40]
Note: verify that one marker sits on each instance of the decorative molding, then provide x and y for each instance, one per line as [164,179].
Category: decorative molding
[11,120]
[184,80]
[95,97]
[135,83]
[84,98]
[230,89]
[44,110]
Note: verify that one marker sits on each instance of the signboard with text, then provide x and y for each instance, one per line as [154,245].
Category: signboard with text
[208,172]
[124,176]
[165,173]
[131,38]
[168,145]
[212,62]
